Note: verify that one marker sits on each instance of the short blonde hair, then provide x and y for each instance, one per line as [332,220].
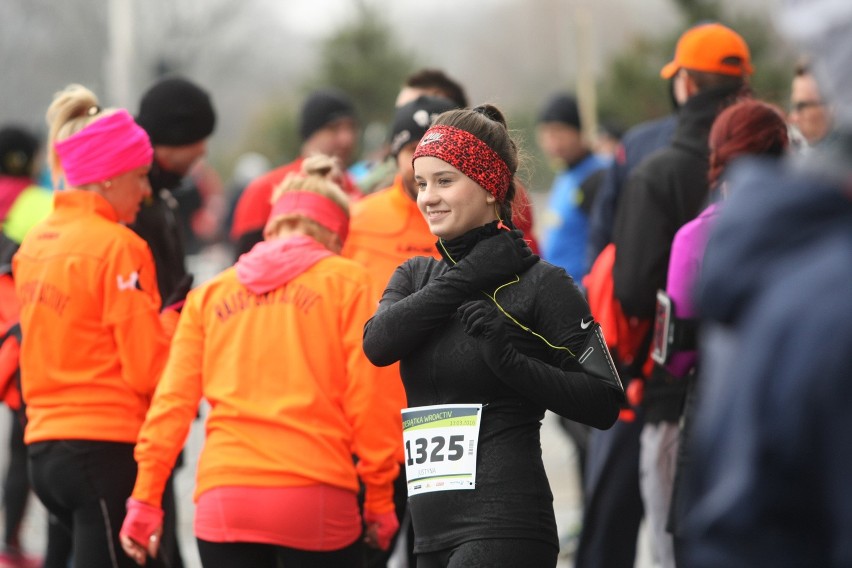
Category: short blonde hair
[318,176]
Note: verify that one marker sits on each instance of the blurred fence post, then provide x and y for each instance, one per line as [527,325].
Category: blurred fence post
[118,66]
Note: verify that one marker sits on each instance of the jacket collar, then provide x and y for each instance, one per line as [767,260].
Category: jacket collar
[454,250]
[696,118]
[88,201]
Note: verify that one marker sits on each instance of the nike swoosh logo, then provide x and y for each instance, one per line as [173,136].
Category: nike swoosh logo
[585,324]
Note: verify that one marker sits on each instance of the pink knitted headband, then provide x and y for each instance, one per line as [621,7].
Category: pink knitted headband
[112,145]
[315,207]
[468,154]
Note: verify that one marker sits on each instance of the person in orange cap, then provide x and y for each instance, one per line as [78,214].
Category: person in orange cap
[710,48]
[274,346]
[710,70]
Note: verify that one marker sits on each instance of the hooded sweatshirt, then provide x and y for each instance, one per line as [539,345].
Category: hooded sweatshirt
[771,434]
[277,355]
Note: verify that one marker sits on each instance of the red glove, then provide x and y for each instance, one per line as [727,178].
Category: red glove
[140,532]
[380,528]
[627,415]
[635,391]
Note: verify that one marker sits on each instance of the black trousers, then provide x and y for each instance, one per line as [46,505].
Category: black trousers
[504,552]
[254,555]
[16,485]
[612,508]
[84,484]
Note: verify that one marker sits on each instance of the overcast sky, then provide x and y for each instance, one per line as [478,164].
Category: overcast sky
[502,50]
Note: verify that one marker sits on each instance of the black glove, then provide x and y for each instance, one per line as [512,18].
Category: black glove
[574,395]
[496,259]
[408,313]
[178,296]
[481,319]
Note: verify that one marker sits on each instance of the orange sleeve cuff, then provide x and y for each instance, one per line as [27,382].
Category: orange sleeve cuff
[151,483]
[379,498]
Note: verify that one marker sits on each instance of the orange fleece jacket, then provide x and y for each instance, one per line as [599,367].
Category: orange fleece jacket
[385,230]
[94,346]
[292,395]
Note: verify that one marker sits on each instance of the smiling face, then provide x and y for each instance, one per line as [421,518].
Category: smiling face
[451,202]
[126,192]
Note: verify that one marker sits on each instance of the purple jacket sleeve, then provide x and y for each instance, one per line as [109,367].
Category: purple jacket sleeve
[684,269]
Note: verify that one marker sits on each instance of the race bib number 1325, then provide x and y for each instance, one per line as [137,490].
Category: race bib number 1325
[440,446]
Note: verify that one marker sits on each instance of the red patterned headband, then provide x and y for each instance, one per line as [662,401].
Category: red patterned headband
[110,146]
[315,207]
[468,154]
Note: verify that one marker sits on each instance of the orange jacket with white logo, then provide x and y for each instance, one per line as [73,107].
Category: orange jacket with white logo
[385,230]
[292,395]
[94,346]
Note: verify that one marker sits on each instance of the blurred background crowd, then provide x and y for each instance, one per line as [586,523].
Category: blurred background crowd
[259,59]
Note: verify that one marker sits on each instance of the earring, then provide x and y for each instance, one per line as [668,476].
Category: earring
[107,184]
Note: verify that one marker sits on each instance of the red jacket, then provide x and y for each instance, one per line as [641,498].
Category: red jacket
[255,203]
[10,348]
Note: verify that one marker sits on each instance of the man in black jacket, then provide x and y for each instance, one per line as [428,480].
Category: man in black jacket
[178,117]
[612,504]
[709,70]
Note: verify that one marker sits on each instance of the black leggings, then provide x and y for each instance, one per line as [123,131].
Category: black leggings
[16,493]
[84,484]
[493,553]
[253,555]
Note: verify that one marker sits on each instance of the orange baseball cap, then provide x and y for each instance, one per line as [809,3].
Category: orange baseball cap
[712,48]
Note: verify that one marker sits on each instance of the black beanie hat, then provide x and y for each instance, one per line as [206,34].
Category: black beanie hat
[412,120]
[176,112]
[322,107]
[18,148]
[561,107]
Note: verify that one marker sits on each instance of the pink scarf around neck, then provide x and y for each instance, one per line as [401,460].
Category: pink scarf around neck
[271,264]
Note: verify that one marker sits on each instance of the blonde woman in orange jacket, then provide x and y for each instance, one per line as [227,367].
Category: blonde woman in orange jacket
[94,346]
[274,346]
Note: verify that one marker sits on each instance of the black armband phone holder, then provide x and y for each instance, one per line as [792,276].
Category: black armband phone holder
[671,334]
[596,359]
